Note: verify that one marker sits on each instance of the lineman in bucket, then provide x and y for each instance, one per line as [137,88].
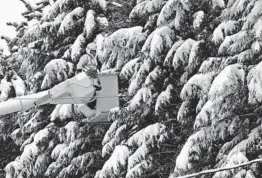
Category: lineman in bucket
[87,64]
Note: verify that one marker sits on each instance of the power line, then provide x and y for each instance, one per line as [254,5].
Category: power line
[219,169]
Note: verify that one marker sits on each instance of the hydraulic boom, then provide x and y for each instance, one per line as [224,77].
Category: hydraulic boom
[77,90]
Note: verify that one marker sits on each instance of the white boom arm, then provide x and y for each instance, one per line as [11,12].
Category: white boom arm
[77,90]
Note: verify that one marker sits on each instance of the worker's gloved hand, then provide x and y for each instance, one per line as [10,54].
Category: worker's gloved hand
[91,71]
[97,84]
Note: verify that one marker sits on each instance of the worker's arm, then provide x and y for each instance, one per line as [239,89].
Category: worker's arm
[92,72]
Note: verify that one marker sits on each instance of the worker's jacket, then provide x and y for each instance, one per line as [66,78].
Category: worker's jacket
[91,71]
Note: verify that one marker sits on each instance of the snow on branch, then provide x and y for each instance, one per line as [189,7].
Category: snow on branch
[226,88]
[5,88]
[82,162]
[138,156]
[197,147]
[197,86]
[176,9]
[56,71]
[235,43]
[139,169]
[29,4]
[19,85]
[169,57]
[164,98]
[161,42]
[116,163]
[129,68]
[254,80]
[64,158]
[139,77]
[212,64]
[111,131]
[182,54]
[219,3]
[140,97]
[149,135]
[198,19]
[194,61]
[33,155]
[231,77]
[77,49]
[145,8]
[184,112]
[226,28]
[115,140]
[33,33]
[225,149]
[101,3]
[71,21]
[141,160]
[120,47]
[167,12]
[62,112]
[60,6]
[70,133]
[193,150]
[154,77]
[239,153]
[34,15]
[53,26]
[253,15]
[57,150]
[142,141]
[90,25]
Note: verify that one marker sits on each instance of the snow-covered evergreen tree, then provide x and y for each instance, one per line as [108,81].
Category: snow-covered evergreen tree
[189,72]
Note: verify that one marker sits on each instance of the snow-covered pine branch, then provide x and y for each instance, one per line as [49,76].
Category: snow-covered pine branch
[145,8]
[120,47]
[56,71]
[116,163]
[222,91]
[71,21]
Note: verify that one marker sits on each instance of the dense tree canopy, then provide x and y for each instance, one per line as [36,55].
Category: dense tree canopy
[189,75]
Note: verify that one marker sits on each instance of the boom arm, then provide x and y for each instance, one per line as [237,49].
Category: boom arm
[77,90]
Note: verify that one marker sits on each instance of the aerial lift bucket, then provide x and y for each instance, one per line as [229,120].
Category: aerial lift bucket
[107,98]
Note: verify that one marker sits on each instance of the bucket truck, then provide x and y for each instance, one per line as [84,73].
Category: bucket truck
[79,90]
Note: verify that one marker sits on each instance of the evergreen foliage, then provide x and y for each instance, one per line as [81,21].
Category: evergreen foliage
[190,73]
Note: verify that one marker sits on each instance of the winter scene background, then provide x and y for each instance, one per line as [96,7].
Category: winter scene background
[190,88]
